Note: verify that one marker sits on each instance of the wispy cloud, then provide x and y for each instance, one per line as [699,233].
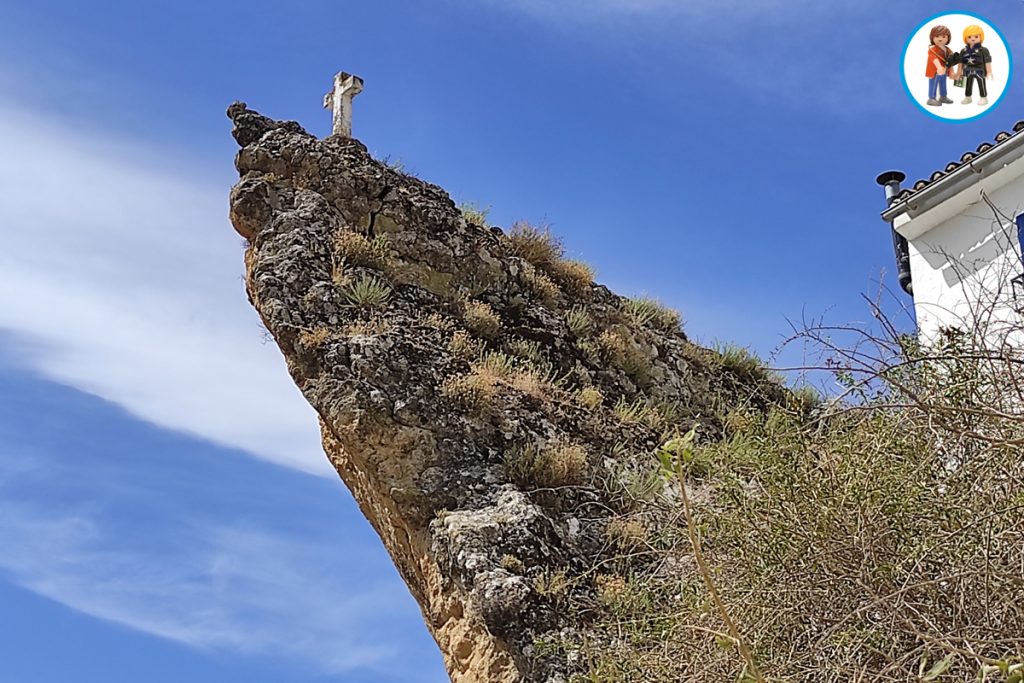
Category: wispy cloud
[122,276]
[232,588]
[101,534]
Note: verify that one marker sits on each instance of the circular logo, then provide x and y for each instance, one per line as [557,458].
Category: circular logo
[956,66]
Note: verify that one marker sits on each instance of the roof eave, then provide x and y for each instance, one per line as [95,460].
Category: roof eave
[968,174]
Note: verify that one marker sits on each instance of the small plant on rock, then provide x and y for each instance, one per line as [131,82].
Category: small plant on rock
[541,286]
[474,213]
[626,534]
[528,350]
[579,321]
[318,336]
[589,397]
[465,346]
[644,311]
[513,564]
[366,292]
[481,319]
[741,361]
[473,392]
[575,276]
[625,353]
[354,249]
[552,584]
[549,466]
[535,244]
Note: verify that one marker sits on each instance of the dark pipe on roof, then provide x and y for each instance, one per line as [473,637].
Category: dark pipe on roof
[891,180]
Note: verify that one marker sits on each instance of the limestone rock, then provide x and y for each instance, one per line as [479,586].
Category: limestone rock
[488,477]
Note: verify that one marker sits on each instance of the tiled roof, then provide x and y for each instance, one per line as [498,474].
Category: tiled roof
[1000,138]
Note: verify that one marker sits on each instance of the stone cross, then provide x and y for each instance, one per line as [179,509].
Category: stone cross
[339,101]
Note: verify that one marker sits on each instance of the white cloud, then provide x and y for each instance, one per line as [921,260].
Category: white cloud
[216,588]
[120,271]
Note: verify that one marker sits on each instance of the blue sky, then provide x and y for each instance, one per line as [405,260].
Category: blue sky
[165,511]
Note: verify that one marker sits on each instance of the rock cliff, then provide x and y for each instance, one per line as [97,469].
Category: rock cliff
[492,409]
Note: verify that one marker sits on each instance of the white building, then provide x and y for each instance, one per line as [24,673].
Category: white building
[957,240]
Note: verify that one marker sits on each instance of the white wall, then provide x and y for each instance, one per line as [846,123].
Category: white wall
[961,268]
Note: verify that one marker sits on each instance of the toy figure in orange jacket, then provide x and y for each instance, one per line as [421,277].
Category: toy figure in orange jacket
[938,67]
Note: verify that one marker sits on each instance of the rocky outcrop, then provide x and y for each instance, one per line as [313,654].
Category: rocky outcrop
[491,409]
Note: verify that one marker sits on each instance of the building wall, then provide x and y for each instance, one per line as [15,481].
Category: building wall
[962,268]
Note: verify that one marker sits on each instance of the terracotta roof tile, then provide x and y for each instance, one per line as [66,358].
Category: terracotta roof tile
[1000,138]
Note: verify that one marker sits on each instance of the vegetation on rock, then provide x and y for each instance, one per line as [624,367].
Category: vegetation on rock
[574,491]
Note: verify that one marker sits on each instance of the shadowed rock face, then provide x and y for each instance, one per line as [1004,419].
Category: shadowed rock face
[467,445]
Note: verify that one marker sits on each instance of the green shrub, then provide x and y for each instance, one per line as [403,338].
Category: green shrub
[878,543]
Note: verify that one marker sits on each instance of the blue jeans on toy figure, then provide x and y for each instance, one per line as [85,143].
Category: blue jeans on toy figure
[937,83]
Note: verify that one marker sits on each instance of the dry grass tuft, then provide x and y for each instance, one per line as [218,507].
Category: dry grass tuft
[473,392]
[528,350]
[316,337]
[656,415]
[611,589]
[542,249]
[481,319]
[626,354]
[464,346]
[537,245]
[367,328]
[474,213]
[513,564]
[589,397]
[354,249]
[742,362]
[626,534]
[438,322]
[552,584]
[645,311]
[529,382]
[575,276]
[541,286]
[551,466]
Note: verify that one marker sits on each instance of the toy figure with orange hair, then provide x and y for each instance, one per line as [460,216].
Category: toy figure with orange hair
[974,64]
[938,56]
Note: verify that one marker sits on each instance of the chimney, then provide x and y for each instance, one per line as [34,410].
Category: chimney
[891,180]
